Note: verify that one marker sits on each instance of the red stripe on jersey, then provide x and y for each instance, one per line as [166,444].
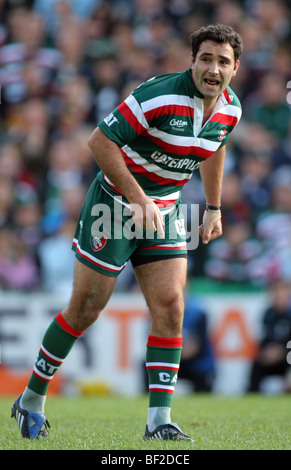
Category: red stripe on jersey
[112,186]
[161,342]
[181,150]
[176,149]
[161,203]
[226,95]
[224,119]
[126,112]
[169,109]
[62,322]
[158,202]
[152,176]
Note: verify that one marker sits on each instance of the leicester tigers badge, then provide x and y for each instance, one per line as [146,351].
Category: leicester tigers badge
[98,242]
[221,133]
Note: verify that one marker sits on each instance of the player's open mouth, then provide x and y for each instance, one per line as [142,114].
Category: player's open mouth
[211,82]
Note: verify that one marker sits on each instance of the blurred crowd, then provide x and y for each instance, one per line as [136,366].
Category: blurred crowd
[65,64]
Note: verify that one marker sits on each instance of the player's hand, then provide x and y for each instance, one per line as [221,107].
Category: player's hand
[211,226]
[147,215]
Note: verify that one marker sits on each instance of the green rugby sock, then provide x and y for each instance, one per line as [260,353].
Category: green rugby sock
[56,345]
[162,362]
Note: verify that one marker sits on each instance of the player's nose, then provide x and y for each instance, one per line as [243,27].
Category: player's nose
[213,68]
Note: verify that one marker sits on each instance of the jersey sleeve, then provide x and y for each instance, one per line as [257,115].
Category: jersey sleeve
[233,119]
[125,123]
[229,116]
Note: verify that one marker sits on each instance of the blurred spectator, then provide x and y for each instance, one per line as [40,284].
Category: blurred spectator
[54,11]
[271,108]
[197,360]
[73,106]
[27,64]
[57,259]
[106,82]
[70,41]
[255,166]
[18,268]
[26,217]
[12,165]
[273,15]
[276,332]
[235,206]
[273,228]
[30,127]
[176,57]
[85,161]
[6,201]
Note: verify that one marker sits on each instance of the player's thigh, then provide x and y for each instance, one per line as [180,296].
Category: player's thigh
[90,294]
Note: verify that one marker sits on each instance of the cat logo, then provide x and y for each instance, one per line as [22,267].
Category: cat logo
[221,133]
[99,242]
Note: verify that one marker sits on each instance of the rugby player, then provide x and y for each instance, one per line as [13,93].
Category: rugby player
[147,149]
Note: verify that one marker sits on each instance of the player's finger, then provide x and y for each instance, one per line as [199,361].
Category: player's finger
[205,233]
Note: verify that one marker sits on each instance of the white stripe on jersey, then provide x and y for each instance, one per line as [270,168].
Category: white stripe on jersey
[152,168]
[166,100]
[181,141]
[230,110]
[134,106]
[170,197]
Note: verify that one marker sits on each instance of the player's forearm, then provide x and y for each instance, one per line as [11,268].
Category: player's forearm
[110,160]
[107,154]
[211,172]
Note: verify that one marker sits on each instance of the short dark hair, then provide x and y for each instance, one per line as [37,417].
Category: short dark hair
[219,33]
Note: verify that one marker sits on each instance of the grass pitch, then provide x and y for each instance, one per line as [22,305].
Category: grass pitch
[250,422]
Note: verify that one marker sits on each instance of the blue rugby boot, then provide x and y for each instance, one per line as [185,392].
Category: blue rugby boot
[31,425]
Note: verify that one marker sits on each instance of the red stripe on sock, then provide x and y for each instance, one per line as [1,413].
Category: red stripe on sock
[50,358]
[163,367]
[62,322]
[41,378]
[161,342]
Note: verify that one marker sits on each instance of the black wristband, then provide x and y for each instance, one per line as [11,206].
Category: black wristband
[212,208]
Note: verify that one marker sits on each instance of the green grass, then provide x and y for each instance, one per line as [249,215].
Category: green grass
[250,422]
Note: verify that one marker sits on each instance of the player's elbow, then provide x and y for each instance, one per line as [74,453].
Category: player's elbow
[93,139]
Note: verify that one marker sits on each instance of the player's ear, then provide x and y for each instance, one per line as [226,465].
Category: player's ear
[235,68]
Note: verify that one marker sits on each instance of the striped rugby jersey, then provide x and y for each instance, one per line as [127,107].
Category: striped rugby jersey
[160,133]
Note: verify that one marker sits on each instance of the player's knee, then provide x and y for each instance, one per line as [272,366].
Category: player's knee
[83,310]
[168,317]
[175,313]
